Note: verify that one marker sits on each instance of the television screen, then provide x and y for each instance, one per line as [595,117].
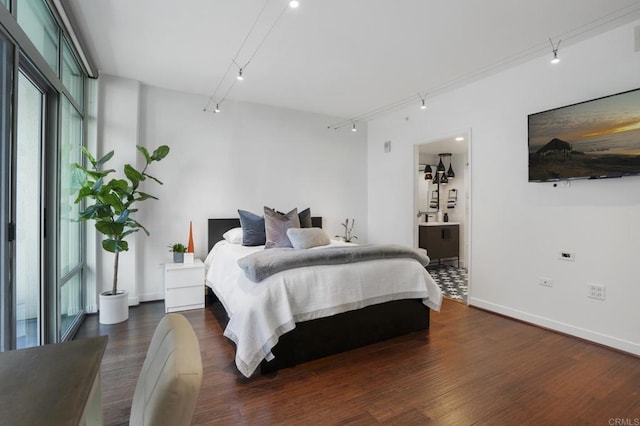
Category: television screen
[594,139]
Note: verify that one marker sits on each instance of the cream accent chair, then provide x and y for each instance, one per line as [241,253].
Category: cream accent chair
[171,375]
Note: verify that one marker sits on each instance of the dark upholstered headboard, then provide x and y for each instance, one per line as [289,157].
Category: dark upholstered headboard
[217,228]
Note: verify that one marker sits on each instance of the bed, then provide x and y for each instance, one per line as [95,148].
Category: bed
[316,333]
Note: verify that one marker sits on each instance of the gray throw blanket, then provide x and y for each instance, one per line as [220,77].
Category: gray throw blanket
[263,264]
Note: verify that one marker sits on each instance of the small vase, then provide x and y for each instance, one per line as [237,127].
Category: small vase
[178,257]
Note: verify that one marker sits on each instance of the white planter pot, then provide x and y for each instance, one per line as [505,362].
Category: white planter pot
[114,308]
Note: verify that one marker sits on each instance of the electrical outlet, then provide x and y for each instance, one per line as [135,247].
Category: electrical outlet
[596,291]
[567,255]
[546,282]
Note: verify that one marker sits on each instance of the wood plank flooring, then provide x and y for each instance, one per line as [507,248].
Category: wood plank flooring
[472,367]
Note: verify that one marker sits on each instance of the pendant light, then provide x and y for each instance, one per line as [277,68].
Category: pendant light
[428,173]
[450,173]
[440,164]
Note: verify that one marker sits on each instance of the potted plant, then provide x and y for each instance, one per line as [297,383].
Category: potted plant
[348,231]
[112,210]
[178,250]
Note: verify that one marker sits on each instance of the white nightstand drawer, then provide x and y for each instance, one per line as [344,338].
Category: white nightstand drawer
[177,299]
[184,277]
[183,286]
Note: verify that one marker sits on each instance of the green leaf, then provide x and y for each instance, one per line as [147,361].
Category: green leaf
[153,178]
[144,152]
[97,185]
[83,193]
[111,200]
[114,246]
[144,196]
[90,157]
[104,159]
[160,153]
[134,176]
[110,229]
[123,216]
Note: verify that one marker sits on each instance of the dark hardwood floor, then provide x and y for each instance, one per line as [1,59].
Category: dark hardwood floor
[472,367]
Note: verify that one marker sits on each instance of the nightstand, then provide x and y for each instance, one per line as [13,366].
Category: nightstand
[183,286]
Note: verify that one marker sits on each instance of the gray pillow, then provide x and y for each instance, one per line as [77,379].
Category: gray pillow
[305,218]
[276,226]
[253,232]
[304,238]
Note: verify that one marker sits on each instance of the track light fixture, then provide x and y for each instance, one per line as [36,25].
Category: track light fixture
[423,105]
[217,108]
[223,85]
[555,59]
[353,128]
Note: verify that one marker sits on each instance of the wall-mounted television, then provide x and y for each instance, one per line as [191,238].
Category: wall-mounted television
[595,139]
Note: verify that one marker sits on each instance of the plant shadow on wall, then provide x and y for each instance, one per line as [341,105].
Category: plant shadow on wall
[112,210]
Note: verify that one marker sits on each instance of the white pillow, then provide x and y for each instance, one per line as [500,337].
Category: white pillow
[233,236]
[304,238]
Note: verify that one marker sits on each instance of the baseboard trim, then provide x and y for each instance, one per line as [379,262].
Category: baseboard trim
[149,297]
[592,336]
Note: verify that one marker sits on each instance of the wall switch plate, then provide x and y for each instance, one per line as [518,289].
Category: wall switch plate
[545,282]
[569,256]
[596,291]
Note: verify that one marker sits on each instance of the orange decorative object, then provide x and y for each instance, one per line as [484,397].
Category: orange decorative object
[190,245]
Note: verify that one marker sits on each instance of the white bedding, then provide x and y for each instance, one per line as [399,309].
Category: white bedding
[261,312]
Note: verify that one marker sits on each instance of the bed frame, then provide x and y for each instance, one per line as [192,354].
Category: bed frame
[337,333]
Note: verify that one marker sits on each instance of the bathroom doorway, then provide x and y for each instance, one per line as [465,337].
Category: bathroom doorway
[442,203]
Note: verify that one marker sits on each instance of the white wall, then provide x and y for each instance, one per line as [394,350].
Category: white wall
[518,228]
[246,157]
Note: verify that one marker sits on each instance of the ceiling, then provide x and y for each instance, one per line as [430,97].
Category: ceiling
[343,58]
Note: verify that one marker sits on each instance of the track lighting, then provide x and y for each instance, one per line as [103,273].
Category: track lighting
[423,106]
[555,59]
[240,77]
[217,108]
[353,128]
[293,4]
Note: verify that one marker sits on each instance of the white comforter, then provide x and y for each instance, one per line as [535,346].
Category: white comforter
[261,312]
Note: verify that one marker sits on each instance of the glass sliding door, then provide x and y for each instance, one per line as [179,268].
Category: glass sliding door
[70,231]
[6,310]
[28,214]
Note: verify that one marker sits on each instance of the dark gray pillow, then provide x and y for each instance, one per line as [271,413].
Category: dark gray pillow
[253,230]
[305,218]
[276,225]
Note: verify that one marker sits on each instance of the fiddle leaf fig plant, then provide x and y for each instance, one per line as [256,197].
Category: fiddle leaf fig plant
[114,199]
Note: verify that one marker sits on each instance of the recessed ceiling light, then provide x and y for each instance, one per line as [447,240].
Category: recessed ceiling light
[459,138]
[293,4]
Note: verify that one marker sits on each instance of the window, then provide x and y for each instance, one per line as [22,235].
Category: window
[70,231]
[6,70]
[72,76]
[38,22]
[42,127]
